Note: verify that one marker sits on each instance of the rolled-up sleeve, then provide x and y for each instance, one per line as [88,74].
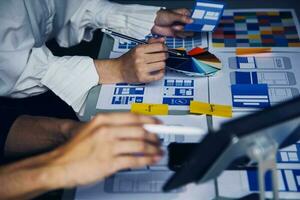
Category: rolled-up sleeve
[69,77]
[133,20]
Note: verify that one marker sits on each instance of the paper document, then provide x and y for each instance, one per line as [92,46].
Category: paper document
[146,183]
[175,89]
[255,82]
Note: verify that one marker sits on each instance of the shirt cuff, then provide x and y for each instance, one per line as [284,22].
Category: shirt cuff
[71,78]
[133,20]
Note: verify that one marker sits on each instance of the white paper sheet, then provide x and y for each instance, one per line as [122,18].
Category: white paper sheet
[146,183]
[175,89]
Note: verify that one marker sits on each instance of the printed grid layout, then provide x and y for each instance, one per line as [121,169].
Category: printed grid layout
[256,29]
[261,88]
[172,43]
[176,92]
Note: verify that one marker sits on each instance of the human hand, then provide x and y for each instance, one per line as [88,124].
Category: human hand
[142,64]
[171,23]
[107,144]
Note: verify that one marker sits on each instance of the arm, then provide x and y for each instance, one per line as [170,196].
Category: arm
[104,146]
[134,20]
[30,135]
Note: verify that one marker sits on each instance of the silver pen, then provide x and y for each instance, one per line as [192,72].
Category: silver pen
[174,130]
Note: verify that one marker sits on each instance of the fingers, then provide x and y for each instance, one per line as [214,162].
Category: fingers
[161,30]
[125,162]
[136,147]
[156,40]
[153,67]
[180,18]
[157,76]
[178,27]
[134,133]
[122,119]
[182,11]
[157,57]
[152,48]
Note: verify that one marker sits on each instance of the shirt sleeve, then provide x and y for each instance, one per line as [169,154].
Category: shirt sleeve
[69,77]
[133,20]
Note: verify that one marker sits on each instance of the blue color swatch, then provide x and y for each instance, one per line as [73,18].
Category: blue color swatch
[250,95]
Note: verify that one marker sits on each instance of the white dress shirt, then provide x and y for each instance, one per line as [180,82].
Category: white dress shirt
[27,66]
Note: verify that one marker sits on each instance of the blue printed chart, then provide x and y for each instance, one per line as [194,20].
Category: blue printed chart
[250,83]
[199,40]
[175,90]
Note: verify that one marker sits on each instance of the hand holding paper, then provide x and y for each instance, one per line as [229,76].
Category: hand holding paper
[206,16]
[172,22]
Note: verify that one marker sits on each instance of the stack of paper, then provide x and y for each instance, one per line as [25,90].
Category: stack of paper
[197,62]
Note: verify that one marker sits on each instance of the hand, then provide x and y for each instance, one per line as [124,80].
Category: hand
[171,23]
[145,63]
[107,144]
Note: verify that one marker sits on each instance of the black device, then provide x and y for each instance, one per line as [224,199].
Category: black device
[218,150]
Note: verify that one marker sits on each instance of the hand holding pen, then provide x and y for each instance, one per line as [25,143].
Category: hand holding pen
[143,64]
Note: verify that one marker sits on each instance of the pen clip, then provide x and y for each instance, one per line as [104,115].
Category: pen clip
[106,31]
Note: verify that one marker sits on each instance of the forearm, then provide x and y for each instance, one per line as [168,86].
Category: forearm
[109,71]
[31,177]
[30,135]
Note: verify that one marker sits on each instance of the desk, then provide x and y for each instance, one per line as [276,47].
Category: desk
[107,42]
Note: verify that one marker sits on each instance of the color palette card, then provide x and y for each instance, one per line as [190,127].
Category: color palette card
[206,16]
[197,62]
[277,29]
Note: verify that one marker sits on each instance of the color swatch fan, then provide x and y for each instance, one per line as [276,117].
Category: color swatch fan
[197,62]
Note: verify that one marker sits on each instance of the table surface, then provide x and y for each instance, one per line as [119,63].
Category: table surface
[107,43]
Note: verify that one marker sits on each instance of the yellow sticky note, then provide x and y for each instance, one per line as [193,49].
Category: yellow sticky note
[150,109]
[210,109]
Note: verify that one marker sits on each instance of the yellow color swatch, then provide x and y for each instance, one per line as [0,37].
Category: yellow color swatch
[296,44]
[254,37]
[210,109]
[218,45]
[273,13]
[244,51]
[150,109]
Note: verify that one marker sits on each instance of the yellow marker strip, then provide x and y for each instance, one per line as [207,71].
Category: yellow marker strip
[210,109]
[150,109]
[243,51]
